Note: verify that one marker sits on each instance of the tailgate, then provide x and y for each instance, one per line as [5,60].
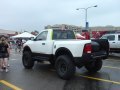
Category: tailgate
[100,48]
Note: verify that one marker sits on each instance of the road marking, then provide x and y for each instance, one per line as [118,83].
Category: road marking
[110,67]
[98,79]
[10,85]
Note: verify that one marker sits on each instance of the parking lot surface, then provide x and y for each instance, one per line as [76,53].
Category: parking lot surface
[44,77]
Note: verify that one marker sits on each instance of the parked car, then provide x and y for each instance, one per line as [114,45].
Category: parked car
[114,41]
[65,52]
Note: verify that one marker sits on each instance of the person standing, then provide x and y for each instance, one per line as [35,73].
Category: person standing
[19,44]
[16,45]
[4,54]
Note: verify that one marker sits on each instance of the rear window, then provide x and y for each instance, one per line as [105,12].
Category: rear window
[63,34]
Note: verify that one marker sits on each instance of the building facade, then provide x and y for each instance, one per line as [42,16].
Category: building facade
[76,29]
[7,32]
[79,29]
[95,32]
[105,28]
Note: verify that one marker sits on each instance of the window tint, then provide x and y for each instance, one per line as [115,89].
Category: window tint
[42,36]
[59,34]
[111,37]
[104,37]
[119,37]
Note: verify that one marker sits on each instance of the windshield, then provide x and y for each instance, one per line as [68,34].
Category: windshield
[63,34]
[103,37]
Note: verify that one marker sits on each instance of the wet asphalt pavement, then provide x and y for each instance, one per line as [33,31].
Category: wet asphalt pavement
[44,77]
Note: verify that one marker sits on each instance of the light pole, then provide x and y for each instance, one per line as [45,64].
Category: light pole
[86,22]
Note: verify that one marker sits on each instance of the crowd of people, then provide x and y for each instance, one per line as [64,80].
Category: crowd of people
[18,45]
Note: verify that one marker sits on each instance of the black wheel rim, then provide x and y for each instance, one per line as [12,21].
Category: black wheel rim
[62,67]
[25,59]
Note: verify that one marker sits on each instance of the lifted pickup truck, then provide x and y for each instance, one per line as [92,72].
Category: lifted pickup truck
[65,52]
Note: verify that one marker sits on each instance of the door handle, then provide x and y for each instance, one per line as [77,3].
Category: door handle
[43,43]
[113,42]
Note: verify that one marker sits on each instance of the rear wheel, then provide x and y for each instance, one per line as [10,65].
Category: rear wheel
[65,67]
[94,66]
[28,63]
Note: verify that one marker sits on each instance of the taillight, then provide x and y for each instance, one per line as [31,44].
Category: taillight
[87,48]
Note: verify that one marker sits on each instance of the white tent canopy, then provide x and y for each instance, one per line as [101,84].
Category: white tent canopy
[24,35]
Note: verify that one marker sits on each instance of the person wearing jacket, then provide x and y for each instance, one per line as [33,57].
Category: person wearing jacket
[4,54]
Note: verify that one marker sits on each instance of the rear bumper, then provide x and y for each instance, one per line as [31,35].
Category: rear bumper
[86,58]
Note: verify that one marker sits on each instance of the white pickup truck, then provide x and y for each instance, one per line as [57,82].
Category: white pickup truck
[114,41]
[65,52]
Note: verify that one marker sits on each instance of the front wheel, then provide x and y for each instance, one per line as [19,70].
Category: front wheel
[28,63]
[94,66]
[65,67]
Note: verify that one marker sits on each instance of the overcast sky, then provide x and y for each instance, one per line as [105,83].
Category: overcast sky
[35,14]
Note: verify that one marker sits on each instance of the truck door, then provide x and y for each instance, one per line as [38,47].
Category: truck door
[40,43]
[118,42]
[112,41]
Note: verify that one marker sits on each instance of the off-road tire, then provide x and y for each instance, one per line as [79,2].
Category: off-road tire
[94,66]
[65,68]
[28,63]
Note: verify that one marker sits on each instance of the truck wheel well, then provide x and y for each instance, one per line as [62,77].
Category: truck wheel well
[26,49]
[63,51]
